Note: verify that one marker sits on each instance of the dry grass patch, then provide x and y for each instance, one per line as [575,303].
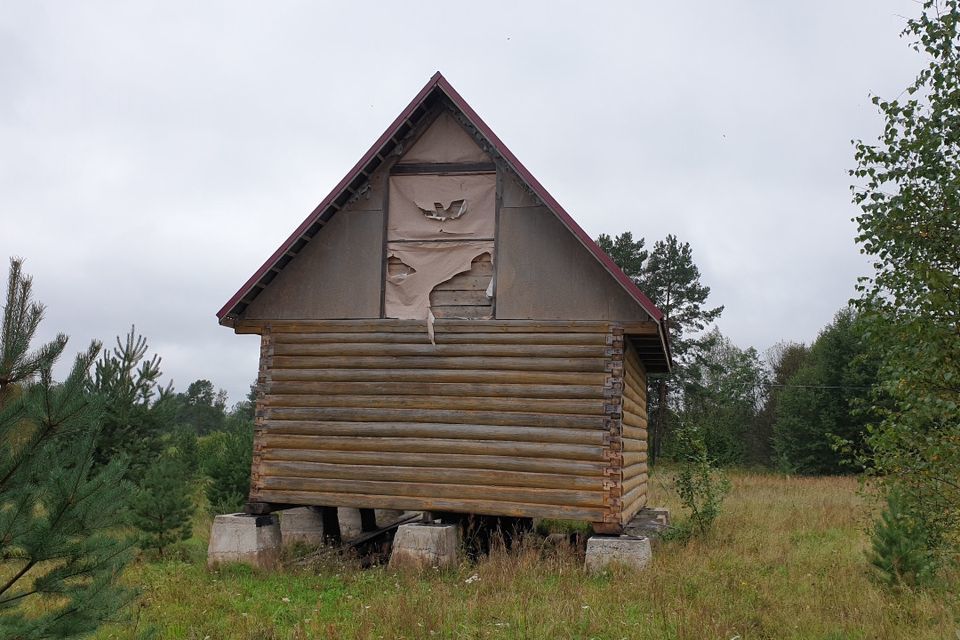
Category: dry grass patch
[785,561]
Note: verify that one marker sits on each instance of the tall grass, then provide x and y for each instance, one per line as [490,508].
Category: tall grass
[785,560]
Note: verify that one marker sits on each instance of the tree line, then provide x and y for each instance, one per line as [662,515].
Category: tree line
[797,408]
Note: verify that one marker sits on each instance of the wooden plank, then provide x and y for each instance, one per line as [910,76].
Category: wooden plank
[585,365]
[432,475]
[445,326]
[439,375]
[442,168]
[446,297]
[588,407]
[640,327]
[478,311]
[413,503]
[441,350]
[565,497]
[505,418]
[465,282]
[453,460]
[567,391]
[421,337]
[437,430]
[436,445]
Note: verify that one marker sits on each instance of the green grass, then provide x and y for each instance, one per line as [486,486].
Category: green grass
[785,561]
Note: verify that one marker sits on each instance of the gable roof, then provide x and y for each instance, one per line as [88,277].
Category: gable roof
[374,157]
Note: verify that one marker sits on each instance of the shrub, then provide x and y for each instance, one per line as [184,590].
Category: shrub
[699,484]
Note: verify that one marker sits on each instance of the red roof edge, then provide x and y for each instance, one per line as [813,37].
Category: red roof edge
[437,81]
[320,208]
[549,200]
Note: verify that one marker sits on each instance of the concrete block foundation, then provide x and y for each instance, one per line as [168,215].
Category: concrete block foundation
[424,545]
[303,525]
[244,539]
[605,551]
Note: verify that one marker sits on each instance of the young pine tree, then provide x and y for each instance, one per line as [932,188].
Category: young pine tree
[61,551]
[162,507]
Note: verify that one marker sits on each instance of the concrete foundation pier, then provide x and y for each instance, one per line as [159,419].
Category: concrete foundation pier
[424,545]
[629,551]
[244,539]
[303,525]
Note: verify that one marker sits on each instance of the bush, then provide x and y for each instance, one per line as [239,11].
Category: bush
[700,485]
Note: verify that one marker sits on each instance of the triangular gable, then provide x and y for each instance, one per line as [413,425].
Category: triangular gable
[465,150]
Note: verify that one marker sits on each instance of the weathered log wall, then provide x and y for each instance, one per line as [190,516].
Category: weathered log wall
[517,418]
[634,434]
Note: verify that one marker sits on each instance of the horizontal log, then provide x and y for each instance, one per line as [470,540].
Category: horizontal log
[462,311]
[633,457]
[634,445]
[564,497]
[435,445]
[640,327]
[632,503]
[634,433]
[421,337]
[442,350]
[631,483]
[454,460]
[437,430]
[432,475]
[634,419]
[481,390]
[629,406]
[633,470]
[587,407]
[438,375]
[459,298]
[505,418]
[587,365]
[465,282]
[484,507]
[441,326]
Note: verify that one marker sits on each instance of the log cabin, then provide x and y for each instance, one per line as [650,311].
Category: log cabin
[440,335]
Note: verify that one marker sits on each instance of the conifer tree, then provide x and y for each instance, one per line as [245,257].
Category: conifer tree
[138,412]
[60,549]
[162,507]
[672,280]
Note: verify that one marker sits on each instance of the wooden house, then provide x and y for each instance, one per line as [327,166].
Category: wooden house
[440,335]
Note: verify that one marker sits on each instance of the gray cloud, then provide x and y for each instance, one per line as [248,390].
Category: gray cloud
[152,155]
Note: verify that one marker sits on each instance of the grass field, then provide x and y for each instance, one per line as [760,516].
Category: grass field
[785,561]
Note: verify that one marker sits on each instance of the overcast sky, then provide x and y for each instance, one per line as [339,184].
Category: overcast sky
[153,155]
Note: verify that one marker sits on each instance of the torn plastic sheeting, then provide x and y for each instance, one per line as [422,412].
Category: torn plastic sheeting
[412,196]
[431,263]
